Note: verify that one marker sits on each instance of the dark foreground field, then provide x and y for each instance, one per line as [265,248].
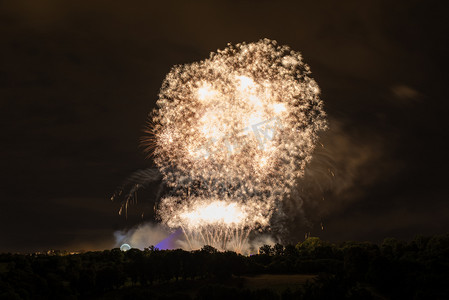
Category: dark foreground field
[313,269]
[263,286]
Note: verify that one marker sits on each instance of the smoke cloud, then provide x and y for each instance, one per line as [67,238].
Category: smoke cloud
[142,236]
[151,234]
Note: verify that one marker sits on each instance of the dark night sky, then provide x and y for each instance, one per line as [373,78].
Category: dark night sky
[77,79]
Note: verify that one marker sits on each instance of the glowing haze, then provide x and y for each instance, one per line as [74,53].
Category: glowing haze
[231,135]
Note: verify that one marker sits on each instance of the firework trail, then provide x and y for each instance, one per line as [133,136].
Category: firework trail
[138,180]
[230,136]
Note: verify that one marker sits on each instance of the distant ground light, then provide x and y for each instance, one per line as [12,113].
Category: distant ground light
[125,247]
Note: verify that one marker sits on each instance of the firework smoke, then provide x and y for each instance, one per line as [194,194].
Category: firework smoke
[231,135]
[142,236]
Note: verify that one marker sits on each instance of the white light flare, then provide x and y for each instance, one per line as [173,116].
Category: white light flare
[214,213]
[206,92]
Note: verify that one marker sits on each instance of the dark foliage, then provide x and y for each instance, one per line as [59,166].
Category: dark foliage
[352,270]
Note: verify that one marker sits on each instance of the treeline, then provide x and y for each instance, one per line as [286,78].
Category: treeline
[395,269]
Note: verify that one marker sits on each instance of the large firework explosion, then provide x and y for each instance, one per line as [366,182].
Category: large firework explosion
[231,135]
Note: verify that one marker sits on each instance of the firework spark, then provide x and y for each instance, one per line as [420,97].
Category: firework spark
[230,136]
